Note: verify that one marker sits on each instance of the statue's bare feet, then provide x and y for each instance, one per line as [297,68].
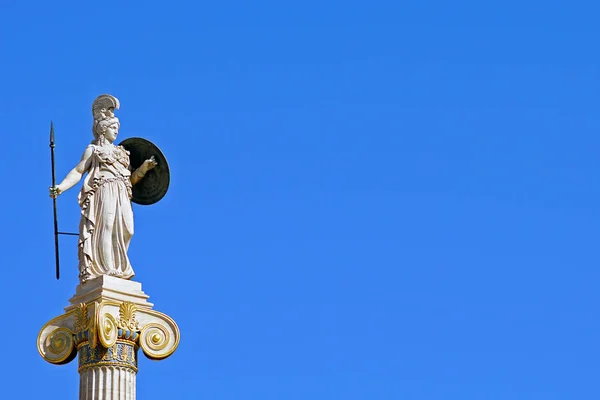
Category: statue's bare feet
[84,276]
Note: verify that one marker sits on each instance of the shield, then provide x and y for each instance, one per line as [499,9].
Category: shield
[154,185]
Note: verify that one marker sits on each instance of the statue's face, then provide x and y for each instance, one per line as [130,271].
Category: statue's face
[111,132]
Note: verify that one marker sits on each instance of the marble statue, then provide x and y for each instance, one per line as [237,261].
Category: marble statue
[106,225]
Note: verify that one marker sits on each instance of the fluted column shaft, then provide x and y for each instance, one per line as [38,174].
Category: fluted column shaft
[107,383]
[107,373]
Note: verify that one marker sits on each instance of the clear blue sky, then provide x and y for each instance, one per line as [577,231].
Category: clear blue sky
[369,199]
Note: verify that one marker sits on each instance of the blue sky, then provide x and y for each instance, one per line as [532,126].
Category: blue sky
[369,200]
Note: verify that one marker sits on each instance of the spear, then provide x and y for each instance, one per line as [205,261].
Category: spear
[56,231]
[54,201]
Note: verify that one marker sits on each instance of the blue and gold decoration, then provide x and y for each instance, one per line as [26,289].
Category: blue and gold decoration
[99,340]
[105,327]
[118,340]
[121,354]
[93,332]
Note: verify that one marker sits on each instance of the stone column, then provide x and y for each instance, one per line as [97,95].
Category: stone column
[108,320]
[107,374]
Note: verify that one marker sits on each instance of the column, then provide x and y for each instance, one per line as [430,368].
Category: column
[107,374]
[105,332]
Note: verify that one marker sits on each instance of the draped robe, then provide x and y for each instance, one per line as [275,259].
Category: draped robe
[106,225]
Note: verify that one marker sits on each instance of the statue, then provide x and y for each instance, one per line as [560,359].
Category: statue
[106,225]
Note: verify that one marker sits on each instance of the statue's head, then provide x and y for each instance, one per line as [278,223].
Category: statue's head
[106,128]
[103,111]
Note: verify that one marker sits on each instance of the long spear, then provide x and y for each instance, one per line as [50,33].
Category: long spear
[54,201]
[56,232]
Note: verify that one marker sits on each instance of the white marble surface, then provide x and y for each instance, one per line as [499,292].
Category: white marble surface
[106,226]
[107,383]
[109,288]
[106,307]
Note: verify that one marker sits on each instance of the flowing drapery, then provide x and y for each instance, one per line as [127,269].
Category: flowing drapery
[106,225]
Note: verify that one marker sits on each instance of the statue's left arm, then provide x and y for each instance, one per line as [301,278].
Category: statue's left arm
[139,173]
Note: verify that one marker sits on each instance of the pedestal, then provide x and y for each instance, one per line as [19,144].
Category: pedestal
[108,320]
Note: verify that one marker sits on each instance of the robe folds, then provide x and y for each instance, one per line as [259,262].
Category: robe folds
[106,225]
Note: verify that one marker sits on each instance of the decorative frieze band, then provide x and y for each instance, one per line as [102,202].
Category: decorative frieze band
[121,354]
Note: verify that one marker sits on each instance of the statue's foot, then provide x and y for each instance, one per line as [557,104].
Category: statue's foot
[118,274]
[84,277]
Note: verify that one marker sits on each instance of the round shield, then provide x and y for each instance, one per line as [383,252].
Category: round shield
[152,187]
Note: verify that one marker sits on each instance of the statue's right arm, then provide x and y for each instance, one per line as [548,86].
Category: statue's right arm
[76,173]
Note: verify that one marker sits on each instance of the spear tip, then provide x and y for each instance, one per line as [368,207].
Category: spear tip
[51,133]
